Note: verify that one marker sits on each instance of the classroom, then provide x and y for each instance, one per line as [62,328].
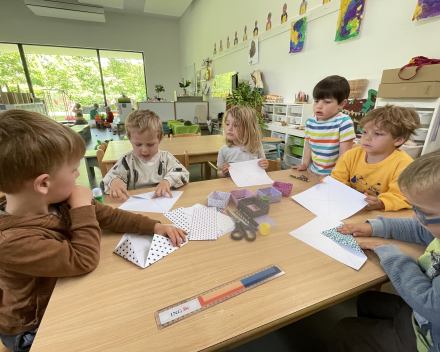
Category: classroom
[199,175]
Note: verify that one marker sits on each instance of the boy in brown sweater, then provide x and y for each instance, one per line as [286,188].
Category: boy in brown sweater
[49,226]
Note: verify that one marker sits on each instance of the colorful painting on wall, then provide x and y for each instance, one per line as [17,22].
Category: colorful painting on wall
[236,39]
[256,29]
[350,18]
[426,9]
[298,35]
[269,21]
[284,14]
[253,52]
[303,8]
[326,1]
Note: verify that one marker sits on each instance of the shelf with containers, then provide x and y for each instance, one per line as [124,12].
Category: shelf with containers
[427,135]
[294,115]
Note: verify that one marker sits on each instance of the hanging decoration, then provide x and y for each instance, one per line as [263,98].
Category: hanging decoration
[215,48]
[222,85]
[227,43]
[284,14]
[253,52]
[350,18]
[245,34]
[269,21]
[303,8]
[256,29]
[221,46]
[298,35]
[236,39]
[426,9]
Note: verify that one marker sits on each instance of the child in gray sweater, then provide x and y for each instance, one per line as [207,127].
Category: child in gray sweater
[410,322]
[145,166]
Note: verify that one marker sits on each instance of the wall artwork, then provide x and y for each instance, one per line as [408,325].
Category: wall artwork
[284,14]
[426,9]
[221,46]
[227,43]
[269,21]
[325,1]
[215,48]
[298,35]
[236,39]
[256,29]
[253,52]
[303,7]
[245,34]
[350,18]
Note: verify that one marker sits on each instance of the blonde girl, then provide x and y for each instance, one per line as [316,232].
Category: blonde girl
[243,139]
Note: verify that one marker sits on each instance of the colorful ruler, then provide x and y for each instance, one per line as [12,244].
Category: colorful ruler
[196,304]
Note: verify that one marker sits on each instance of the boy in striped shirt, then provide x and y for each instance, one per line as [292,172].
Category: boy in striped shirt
[329,133]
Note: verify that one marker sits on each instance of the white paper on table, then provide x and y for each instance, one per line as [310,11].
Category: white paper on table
[311,233]
[145,202]
[248,173]
[331,199]
[144,250]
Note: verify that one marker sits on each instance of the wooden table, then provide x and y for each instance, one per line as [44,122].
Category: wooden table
[112,308]
[201,149]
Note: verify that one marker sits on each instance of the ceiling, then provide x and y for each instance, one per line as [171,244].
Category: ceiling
[174,8]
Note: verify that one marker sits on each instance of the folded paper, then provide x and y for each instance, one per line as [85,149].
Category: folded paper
[144,250]
[248,173]
[145,202]
[346,240]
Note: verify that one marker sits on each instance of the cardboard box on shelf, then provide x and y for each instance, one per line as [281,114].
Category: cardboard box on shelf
[428,73]
[427,90]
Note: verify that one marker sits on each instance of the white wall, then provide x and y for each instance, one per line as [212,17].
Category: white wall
[156,37]
[388,39]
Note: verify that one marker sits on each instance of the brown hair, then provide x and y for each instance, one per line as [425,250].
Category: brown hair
[247,126]
[32,145]
[399,121]
[142,120]
[79,114]
[422,174]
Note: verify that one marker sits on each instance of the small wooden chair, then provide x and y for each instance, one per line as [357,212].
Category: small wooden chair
[100,155]
[183,159]
[186,135]
[91,160]
[274,165]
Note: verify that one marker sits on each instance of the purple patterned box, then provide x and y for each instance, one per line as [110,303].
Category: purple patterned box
[218,199]
[284,188]
[271,192]
[240,194]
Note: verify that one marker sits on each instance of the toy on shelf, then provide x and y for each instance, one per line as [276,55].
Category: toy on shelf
[274,98]
[301,98]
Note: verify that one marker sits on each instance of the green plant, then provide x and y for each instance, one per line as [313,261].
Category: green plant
[159,88]
[184,84]
[244,95]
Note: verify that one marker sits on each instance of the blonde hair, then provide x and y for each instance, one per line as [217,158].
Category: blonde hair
[399,121]
[247,127]
[143,120]
[422,174]
[32,145]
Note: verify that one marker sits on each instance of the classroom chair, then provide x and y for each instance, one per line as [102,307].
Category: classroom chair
[274,165]
[91,161]
[100,155]
[183,159]
[275,141]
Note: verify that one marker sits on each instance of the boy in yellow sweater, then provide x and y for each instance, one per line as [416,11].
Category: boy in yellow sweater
[375,168]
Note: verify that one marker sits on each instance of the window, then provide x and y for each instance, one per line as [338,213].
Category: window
[64,77]
[11,69]
[123,72]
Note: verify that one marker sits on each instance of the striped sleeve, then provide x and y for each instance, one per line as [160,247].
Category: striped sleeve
[346,130]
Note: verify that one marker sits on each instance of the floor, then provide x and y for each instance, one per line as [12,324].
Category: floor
[306,335]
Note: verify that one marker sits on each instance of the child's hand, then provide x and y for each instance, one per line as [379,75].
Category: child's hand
[80,197]
[162,189]
[372,244]
[118,190]
[300,167]
[362,229]
[373,203]
[263,163]
[175,235]
[320,180]
[225,168]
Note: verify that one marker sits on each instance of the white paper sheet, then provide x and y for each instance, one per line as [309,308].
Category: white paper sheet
[331,199]
[145,202]
[311,233]
[144,250]
[248,173]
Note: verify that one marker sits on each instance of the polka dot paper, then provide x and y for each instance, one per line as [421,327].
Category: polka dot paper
[204,225]
[347,240]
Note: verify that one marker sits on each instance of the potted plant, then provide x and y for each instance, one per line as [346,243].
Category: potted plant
[159,88]
[244,95]
[184,85]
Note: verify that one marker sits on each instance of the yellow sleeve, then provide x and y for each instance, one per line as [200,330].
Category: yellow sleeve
[394,199]
[341,171]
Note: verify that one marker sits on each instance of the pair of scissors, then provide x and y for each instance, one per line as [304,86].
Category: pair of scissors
[241,230]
